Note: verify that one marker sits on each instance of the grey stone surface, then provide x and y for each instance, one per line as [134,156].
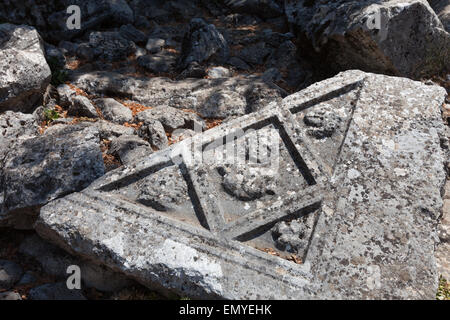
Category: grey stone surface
[55,291]
[153,131]
[128,31]
[170,118]
[223,104]
[157,63]
[183,94]
[9,295]
[55,261]
[442,9]
[255,54]
[10,273]
[82,107]
[111,46]
[66,95]
[114,111]
[130,148]
[409,39]
[155,45]
[38,169]
[17,124]
[350,214]
[202,42]
[218,72]
[443,249]
[24,72]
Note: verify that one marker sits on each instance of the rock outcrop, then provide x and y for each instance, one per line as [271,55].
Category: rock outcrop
[24,72]
[395,37]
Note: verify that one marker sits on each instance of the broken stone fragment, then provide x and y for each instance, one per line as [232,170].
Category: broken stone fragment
[130,148]
[354,215]
[24,72]
[202,42]
[402,38]
[82,107]
[114,111]
[38,169]
[155,45]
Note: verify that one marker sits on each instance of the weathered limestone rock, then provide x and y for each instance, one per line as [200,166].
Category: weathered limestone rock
[55,261]
[36,170]
[442,9]
[399,37]
[111,46]
[50,16]
[333,193]
[24,72]
[202,42]
[183,94]
[443,249]
[114,111]
[130,148]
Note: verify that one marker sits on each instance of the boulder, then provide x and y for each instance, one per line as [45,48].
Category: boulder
[111,46]
[350,213]
[82,107]
[130,148]
[394,37]
[155,45]
[223,104]
[202,42]
[442,9]
[129,32]
[153,131]
[10,296]
[157,63]
[218,72]
[24,72]
[50,16]
[38,169]
[114,111]
[10,274]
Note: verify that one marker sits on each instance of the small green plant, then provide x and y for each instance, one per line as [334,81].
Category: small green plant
[59,75]
[51,114]
[443,290]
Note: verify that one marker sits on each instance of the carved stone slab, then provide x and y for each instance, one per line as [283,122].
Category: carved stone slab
[334,193]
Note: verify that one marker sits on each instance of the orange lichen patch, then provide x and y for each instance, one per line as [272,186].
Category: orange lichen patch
[211,123]
[134,106]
